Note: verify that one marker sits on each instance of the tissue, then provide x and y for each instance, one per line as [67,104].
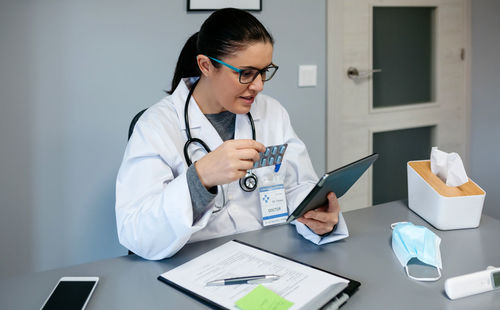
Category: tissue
[448,167]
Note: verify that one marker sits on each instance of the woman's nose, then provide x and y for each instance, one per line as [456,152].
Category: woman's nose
[257,84]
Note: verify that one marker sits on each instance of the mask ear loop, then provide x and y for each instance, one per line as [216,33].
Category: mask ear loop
[424,279]
[394,224]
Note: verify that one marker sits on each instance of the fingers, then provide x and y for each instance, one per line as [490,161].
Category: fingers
[333,203]
[245,165]
[248,154]
[322,220]
[319,228]
[238,174]
[228,162]
[248,144]
[246,149]
[322,215]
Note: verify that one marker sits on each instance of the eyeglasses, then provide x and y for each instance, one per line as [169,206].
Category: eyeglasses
[247,76]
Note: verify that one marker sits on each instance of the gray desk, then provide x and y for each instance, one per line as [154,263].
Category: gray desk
[129,282]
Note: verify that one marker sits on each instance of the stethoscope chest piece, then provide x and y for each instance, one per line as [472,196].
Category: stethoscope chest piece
[249,182]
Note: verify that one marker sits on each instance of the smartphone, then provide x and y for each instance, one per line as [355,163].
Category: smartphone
[71,293]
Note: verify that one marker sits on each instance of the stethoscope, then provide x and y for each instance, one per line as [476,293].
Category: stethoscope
[249,182]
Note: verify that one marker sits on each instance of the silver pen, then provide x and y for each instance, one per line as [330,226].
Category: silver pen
[245,280]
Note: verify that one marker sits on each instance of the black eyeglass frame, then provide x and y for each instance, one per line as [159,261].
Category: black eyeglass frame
[262,72]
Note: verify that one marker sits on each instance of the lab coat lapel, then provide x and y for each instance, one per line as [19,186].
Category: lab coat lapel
[199,125]
[242,127]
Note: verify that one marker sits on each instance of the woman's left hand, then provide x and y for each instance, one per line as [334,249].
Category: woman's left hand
[323,219]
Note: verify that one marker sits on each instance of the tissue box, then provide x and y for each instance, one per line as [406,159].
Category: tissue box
[443,206]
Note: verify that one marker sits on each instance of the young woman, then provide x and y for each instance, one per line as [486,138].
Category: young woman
[187,171]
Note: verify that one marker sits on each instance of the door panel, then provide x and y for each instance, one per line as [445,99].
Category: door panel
[434,96]
[402,82]
[395,149]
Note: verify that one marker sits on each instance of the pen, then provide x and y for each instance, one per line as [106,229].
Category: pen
[245,280]
[277,167]
[337,302]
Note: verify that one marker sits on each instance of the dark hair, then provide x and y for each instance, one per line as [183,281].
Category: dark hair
[223,33]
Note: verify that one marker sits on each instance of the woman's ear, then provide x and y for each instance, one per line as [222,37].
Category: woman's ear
[204,64]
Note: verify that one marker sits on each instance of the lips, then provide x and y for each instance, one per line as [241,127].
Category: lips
[248,99]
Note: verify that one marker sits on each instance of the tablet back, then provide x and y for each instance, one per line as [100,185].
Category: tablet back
[338,181]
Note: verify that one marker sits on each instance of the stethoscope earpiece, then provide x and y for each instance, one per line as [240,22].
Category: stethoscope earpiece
[249,182]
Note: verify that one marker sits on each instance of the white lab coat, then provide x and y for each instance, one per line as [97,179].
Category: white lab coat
[153,205]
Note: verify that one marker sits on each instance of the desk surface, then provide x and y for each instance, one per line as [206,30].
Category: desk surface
[129,282]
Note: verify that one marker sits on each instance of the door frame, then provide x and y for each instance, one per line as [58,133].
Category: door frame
[335,76]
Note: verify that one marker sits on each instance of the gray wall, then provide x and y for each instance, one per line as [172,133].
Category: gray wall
[485,107]
[72,75]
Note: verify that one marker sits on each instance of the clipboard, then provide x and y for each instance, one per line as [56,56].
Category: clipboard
[333,302]
[338,181]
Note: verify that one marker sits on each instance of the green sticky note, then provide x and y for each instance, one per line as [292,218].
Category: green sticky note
[262,298]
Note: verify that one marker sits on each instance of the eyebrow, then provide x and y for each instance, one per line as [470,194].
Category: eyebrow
[252,67]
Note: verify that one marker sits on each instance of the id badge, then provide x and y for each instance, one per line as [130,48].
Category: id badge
[273,201]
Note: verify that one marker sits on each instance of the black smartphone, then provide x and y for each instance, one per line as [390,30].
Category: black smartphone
[71,293]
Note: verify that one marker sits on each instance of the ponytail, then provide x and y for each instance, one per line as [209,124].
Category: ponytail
[225,32]
[186,64]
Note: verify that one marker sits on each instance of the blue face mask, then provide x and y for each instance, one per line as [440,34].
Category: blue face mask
[412,241]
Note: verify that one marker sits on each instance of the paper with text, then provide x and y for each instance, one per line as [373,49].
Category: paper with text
[298,283]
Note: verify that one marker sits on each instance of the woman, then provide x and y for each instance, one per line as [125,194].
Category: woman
[170,193]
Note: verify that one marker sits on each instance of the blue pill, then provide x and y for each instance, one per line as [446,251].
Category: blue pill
[266,153]
[256,164]
[278,160]
[282,149]
[271,161]
[275,149]
[263,162]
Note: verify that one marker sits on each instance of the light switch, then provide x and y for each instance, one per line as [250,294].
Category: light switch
[307,75]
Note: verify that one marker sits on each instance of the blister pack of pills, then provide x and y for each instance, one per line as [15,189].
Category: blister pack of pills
[273,155]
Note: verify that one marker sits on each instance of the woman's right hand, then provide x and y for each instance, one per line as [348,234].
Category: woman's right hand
[229,162]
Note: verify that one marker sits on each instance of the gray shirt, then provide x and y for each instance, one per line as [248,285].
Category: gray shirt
[223,123]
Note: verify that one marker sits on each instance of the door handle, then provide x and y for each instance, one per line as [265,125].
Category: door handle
[353,73]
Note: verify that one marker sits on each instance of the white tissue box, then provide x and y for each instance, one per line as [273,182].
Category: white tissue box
[443,206]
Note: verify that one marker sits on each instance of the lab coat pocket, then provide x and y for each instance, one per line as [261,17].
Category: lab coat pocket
[261,173]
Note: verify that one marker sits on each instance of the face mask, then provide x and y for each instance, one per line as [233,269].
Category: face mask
[409,241]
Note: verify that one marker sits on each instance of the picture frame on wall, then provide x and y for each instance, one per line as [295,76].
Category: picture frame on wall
[212,5]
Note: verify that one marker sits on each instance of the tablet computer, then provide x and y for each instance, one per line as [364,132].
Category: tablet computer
[338,181]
